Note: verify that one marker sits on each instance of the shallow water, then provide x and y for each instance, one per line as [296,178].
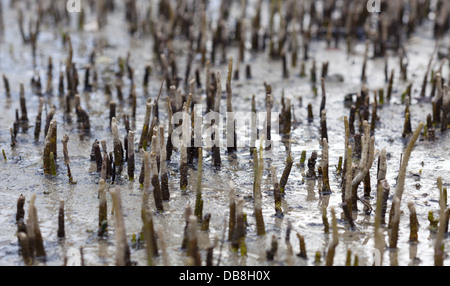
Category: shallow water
[23,173]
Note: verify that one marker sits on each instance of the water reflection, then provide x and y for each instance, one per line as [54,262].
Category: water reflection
[415,261]
[393,257]
[310,185]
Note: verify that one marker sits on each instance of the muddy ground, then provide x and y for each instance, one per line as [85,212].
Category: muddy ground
[22,172]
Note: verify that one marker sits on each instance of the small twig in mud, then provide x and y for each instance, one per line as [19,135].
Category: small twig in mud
[303,70]
[216,158]
[187,214]
[285,65]
[439,255]
[118,149]
[366,51]
[155,178]
[106,163]
[395,223]
[334,242]
[289,251]
[145,129]
[83,119]
[374,118]
[131,156]
[258,166]
[385,190]
[339,166]
[184,171]
[163,167]
[105,168]
[272,252]
[122,248]
[323,103]
[326,225]
[403,64]
[61,229]
[165,256]
[312,166]
[413,223]
[149,236]
[25,248]
[425,78]
[7,88]
[61,84]
[302,253]
[146,216]
[147,74]
[13,132]
[303,159]
[205,222]
[102,209]
[407,129]
[287,170]
[23,104]
[352,120]
[232,219]
[50,148]
[367,158]
[318,258]
[390,86]
[37,127]
[231,124]
[447,218]
[49,119]
[394,218]
[193,250]
[248,72]
[222,242]
[34,231]
[445,109]
[210,252]
[402,173]
[238,239]
[20,214]
[326,189]
[146,180]
[49,88]
[199,201]
[66,158]
[313,73]
[268,135]
[310,113]
[434,223]
[347,188]
[348,260]
[276,192]
[379,219]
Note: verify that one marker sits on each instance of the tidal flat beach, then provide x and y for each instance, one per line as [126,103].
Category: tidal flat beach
[224,133]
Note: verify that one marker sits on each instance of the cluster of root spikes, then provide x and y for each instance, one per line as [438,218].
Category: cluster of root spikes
[300,24]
